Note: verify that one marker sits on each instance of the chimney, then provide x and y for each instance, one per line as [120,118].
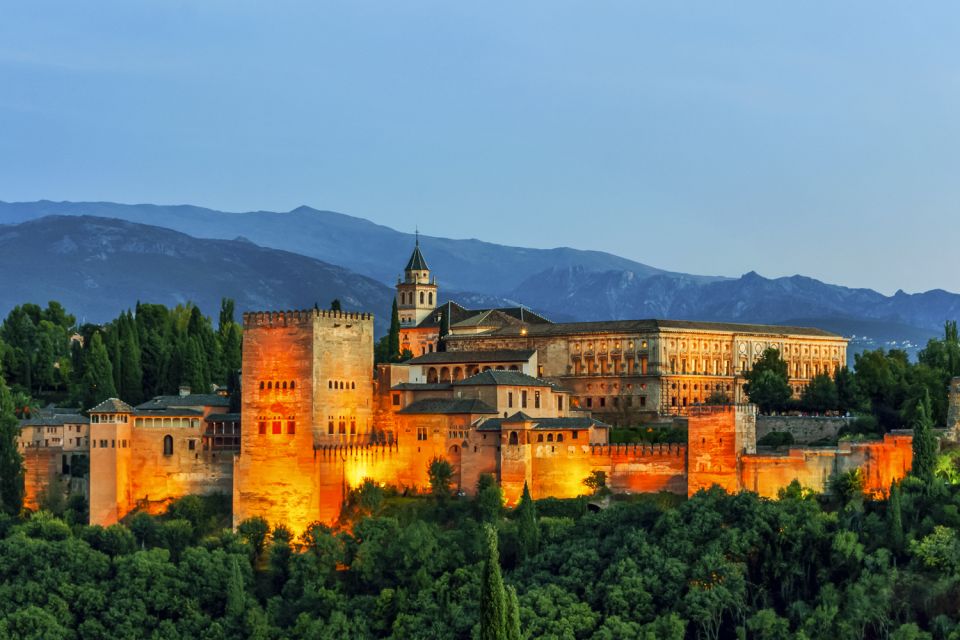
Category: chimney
[184,390]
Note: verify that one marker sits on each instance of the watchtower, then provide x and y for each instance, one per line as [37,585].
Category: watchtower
[110,441]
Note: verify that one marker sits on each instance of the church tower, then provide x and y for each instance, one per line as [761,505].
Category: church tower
[416,293]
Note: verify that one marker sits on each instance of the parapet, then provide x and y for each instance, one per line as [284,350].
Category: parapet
[714,409]
[638,449]
[254,319]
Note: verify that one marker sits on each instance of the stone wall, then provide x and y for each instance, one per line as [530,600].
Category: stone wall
[41,469]
[953,410]
[804,429]
[882,462]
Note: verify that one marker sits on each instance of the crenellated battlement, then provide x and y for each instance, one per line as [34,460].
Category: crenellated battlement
[304,317]
[638,449]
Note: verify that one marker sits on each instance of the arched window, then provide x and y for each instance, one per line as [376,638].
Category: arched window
[513,438]
[430,297]
[329,384]
[284,384]
[353,385]
[261,384]
[168,445]
[421,297]
[269,385]
[549,437]
[293,384]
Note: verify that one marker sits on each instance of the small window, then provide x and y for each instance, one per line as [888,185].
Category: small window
[269,385]
[168,445]
[262,427]
[353,427]
[276,427]
[510,399]
[329,384]
[330,427]
[539,437]
[421,433]
[559,437]
[261,385]
[513,438]
[192,445]
[549,437]
[291,427]
[559,403]
[523,399]
[353,385]
[396,399]
[536,399]
[284,384]
[293,384]
[574,435]
[421,297]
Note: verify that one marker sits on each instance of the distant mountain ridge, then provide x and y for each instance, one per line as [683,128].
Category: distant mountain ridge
[98,267]
[563,284]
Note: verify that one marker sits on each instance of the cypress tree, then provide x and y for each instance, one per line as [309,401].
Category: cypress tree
[393,339]
[130,384]
[11,463]
[895,512]
[493,621]
[97,383]
[924,442]
[236,598]
[527,527]
[513,615]
[195,372]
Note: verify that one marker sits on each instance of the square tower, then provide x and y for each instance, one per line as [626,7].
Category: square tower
[307,381]
[416,293]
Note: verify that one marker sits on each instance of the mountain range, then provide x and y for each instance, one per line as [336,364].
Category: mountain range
[99,258]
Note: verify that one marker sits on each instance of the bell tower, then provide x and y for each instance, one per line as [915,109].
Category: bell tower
[416,292]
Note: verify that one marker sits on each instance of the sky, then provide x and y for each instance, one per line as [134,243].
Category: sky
[820,138]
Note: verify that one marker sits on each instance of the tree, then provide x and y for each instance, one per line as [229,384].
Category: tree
[512,615]
[849,398]
[97,384]
[924,442]
[596,482]
[895,517]
[254,531]
[130,381]
[393,338]
[820,395]
[335,305]
[489,499]
[11,462]
[527,528]
[768,383]
[493,606]
[440,473]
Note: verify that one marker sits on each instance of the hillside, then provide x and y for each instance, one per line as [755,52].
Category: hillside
[99,266]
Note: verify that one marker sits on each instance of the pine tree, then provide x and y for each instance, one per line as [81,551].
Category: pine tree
[527,527]
[493,621]
[97,383]
[393,338]
[513,615]
[11,463]
[924,441]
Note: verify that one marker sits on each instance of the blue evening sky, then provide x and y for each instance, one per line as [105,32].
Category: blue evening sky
[820,138]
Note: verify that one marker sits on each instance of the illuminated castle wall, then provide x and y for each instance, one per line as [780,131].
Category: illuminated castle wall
[307,384]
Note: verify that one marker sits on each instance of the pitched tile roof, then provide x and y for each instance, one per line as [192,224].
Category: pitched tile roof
[652,325]
[187,401]
[167,412]
[422,386]
[503,378]
[55,420]
[445,357]
[448,406]
[112,405]
[545,424]
[223,417]
[416,262]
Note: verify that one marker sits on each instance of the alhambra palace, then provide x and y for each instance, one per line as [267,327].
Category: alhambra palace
[494,391]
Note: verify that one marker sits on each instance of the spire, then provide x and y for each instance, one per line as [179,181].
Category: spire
[417,263]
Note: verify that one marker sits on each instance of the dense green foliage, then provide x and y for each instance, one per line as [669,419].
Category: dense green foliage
[714,566]
[151,351]
[11,463]
[881,384]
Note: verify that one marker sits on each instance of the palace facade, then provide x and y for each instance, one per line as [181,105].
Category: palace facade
[502,391]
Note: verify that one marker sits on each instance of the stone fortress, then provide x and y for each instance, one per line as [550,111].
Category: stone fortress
[502,391]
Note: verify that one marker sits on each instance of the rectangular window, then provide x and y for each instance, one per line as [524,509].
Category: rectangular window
[330,427]
[421,433]
[353,427]
[291,427]
[113,444]
[523,399]
[616,401]
[192,445]
[559,403]
[536,399]
[603,402]
[574,434]
[510,399]
[589,403]
[262,427]
[276,427]
[103,444]
[396,399]
[643,401]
